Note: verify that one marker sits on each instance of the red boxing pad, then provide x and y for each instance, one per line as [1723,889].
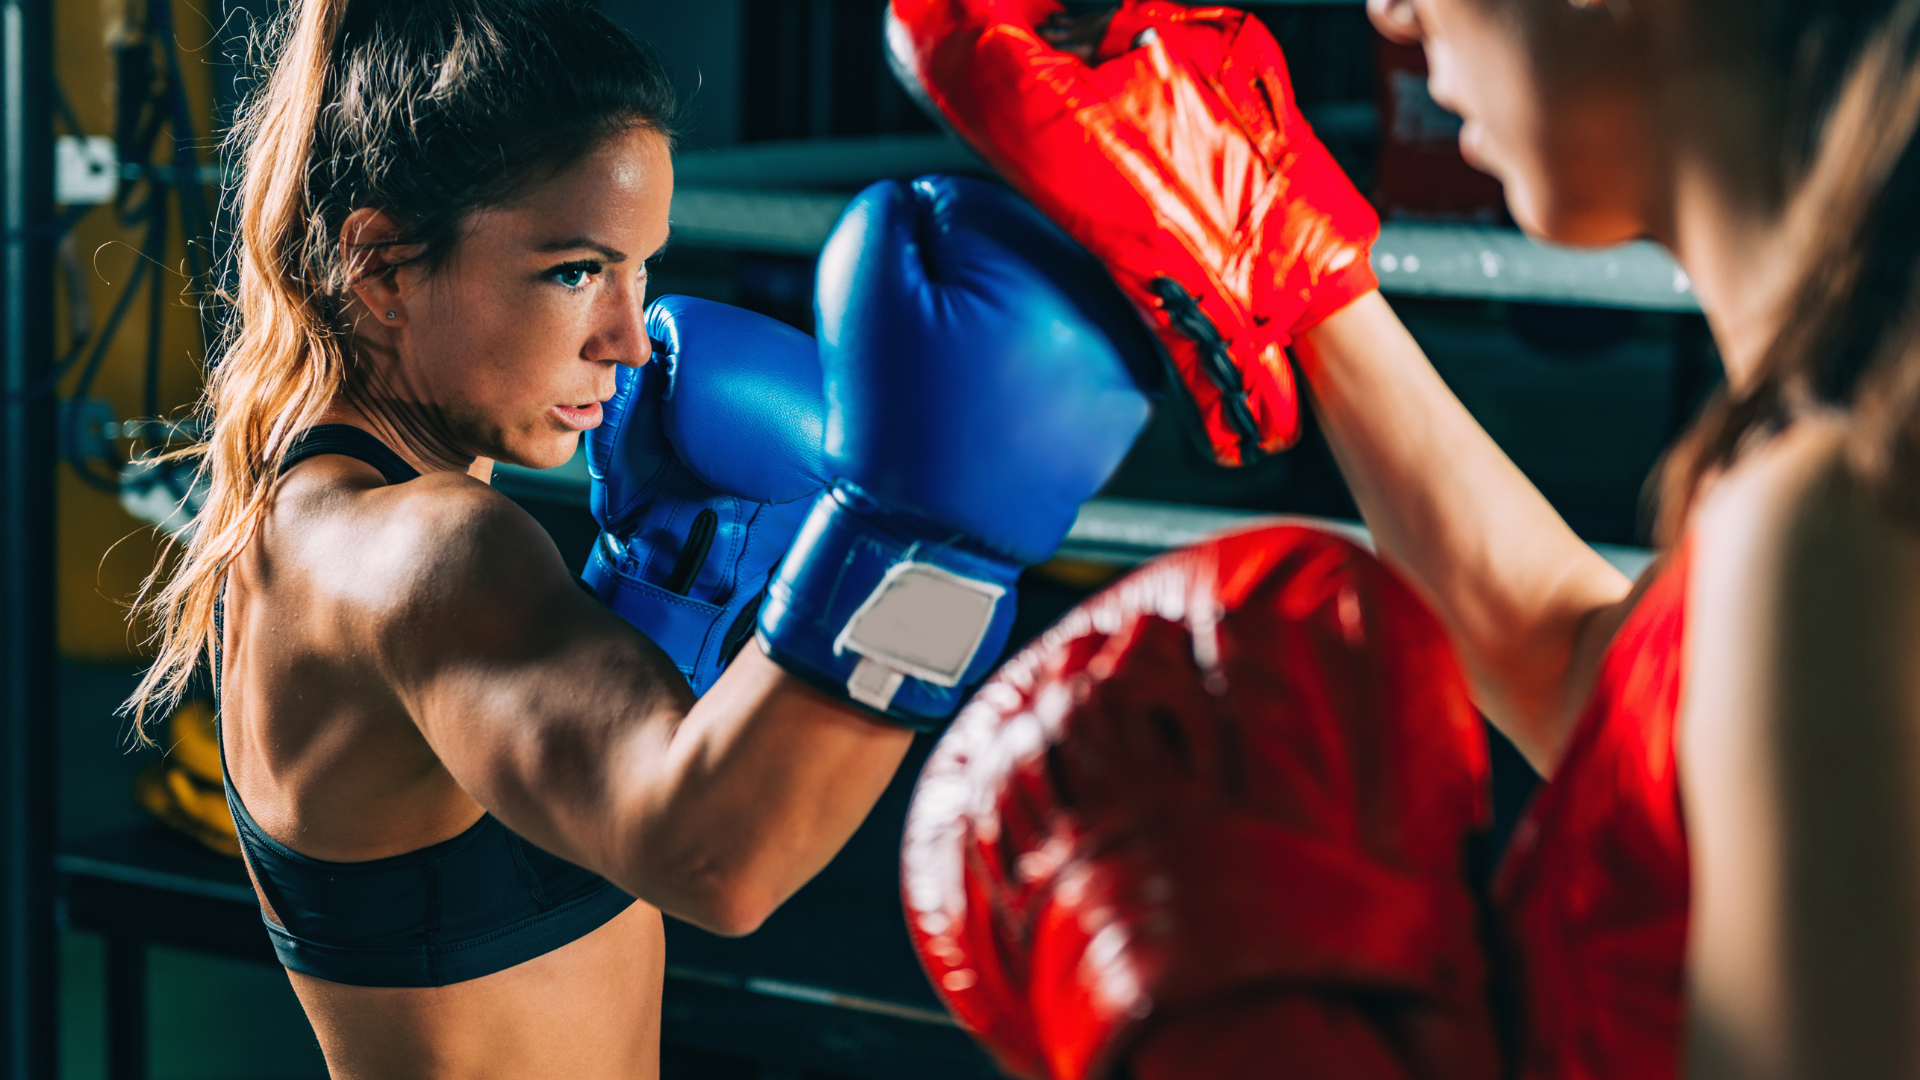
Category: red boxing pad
[1247,770]
[1180,159]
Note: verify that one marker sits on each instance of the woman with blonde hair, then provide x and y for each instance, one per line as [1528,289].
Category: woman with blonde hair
[465,790]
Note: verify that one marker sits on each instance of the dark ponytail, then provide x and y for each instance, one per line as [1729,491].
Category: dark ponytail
[1850,337]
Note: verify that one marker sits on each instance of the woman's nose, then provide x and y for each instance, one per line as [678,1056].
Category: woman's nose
[1396,20]
[624,336]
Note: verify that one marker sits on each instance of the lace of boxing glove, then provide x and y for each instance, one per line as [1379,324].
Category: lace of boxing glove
[702,471]
[1180,159]
[1250,768]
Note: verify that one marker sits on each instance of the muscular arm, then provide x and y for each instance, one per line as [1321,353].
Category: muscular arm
[581,736]
[1799,766]
[1517,590]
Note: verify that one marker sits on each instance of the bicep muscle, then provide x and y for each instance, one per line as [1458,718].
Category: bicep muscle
[527,690]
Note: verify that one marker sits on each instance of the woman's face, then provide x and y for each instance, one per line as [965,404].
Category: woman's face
[1557,103]
[509,347]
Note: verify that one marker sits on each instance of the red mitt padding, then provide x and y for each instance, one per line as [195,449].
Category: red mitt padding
[1238,783]
[1180,159]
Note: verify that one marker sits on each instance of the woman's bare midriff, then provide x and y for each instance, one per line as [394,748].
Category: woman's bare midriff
[589,1010]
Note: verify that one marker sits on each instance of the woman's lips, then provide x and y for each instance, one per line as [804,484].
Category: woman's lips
[579,417]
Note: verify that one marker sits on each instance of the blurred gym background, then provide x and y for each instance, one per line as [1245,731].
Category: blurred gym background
[1584,366]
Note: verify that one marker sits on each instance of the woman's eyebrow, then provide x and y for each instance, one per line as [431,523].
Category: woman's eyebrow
[576,243]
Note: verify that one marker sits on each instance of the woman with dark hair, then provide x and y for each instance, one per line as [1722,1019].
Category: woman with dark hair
[1775,150]
[466,790]
[1722,868]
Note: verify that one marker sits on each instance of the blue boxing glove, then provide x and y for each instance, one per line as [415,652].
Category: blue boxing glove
[702,471]
[983,380]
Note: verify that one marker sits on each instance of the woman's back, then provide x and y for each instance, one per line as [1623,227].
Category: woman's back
[461,940]
[304,706]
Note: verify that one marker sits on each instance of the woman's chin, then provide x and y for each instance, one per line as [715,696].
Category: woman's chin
[1528,216]
[1473,146]
[1567,224]
[545,451]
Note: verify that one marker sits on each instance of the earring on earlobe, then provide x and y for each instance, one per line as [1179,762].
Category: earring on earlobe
[389,314]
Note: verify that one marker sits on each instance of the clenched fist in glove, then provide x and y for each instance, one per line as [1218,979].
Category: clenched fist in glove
[1213,824]
[1176,155]
[702,472]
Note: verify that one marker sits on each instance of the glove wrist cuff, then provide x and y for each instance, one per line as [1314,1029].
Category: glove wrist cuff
[888,609]
[1335,292]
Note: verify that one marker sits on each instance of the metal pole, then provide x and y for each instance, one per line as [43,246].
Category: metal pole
[28,1018]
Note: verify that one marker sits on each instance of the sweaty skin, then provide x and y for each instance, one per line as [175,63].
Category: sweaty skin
[401,659]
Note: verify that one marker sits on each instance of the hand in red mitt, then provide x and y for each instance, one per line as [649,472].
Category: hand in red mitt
[1216,818]
[1179,158]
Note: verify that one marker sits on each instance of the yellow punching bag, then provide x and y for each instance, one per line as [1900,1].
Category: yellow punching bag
[104,551]
[185,789]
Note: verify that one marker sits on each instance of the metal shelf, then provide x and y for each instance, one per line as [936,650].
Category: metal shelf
[768,198]
[1480,262]
[1124,532]
[1112,532]
[769,222]
[849,162]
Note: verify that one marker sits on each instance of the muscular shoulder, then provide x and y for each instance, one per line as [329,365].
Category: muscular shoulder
[1798,574]
[1796,753]
[450,522]
[1794,509]
[428,548]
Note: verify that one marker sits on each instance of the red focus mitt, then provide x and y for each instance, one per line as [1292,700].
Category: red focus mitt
[1180,159]
[1216,816]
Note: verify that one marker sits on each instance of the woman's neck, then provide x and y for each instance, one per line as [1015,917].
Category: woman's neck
[1744,268]
[1727,219]
[417,433]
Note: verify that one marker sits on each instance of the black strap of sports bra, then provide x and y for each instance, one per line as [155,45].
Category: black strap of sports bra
[353,442]
[344,439]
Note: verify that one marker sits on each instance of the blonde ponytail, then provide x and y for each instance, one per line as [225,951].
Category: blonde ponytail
[282,358]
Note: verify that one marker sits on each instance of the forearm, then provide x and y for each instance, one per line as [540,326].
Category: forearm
[1510,580]
[754,793]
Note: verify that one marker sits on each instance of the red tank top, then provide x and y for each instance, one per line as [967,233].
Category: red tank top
[1593,893]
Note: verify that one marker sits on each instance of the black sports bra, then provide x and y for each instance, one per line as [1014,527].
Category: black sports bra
[463,908]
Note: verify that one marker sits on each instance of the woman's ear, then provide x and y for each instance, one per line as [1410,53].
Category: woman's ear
[372,258]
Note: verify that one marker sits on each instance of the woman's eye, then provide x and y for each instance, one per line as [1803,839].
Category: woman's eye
[573,276]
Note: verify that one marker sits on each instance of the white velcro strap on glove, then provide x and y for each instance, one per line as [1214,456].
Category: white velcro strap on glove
[920,621]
